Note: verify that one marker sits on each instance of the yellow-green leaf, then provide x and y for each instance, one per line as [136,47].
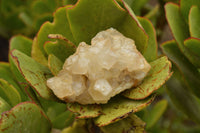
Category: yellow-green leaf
[84,111]
[118,108]
[158,75]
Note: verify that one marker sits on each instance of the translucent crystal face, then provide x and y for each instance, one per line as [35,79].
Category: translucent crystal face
[97,72]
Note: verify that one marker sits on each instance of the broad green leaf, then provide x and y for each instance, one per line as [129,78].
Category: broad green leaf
[35,73]
[189,71]
[4,106]
[130,124]
[61,48]
[9,93]
[118,108]
[63,120]
[193,44]
[180,30]
[181,96]
[21,43]
[79,126]
[194,21]
[59,26]
[185,6]
[54,64]
[84,111]
[85,24]
[158,75]
[25,117]
[101,16]
[155,113]
[150,53]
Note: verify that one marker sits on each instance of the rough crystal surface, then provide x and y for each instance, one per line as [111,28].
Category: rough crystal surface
[97,72]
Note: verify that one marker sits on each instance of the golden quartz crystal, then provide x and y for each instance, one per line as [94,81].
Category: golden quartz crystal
[97,72]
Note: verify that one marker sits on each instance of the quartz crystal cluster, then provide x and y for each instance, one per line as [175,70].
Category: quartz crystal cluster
[97,72]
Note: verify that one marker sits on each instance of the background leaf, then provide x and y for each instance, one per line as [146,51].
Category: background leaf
[192,76]
[180,30]
[155,113]
[185,6]
[194,21]
[193,44]
[183,78]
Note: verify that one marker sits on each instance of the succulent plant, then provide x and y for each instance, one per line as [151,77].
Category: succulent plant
[24,81]
[184,52]
[25,17]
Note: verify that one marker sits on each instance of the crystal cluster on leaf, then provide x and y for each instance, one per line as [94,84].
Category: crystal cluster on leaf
[99,71]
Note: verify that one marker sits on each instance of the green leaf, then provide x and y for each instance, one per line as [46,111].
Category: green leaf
[189,71]
[9,93]
[180,31]
[155,113]
[54,64]
[118,108]
[78,126]
[37,54]
[130,124]
[158,75]
[22,44]
[57,113]
[176,22]
[193,44]
[61,48]
[68,2]
[84,111]
[102,16]
[35,73]
[150,53]
[26,117]
[194,21]
[4,106]
[185,6]
[180,95]
[6,74]
[63,120]
[137,5]
[40,7]
[59,26]
[138,34]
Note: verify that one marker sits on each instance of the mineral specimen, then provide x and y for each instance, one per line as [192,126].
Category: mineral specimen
[97,72]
